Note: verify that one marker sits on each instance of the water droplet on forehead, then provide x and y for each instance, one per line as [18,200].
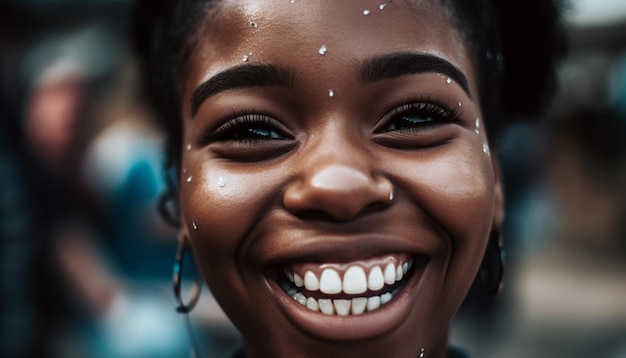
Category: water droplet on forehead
[245,58]
[382,6]
[322,50]
[366,12]
[221,182]
[449,80]
[195,227]
[331,93]
[189,179]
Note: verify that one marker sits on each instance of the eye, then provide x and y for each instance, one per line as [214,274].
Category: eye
[249,138]
[417,116]
[249,128]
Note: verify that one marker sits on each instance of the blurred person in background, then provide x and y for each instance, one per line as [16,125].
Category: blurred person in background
[93,254]
[21,332]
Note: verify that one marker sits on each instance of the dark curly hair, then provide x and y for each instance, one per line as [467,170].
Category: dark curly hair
[515,45]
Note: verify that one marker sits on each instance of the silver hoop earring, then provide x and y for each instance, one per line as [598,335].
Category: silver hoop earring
[177,278]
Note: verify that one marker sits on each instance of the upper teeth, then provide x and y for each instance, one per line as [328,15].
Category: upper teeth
[354,281]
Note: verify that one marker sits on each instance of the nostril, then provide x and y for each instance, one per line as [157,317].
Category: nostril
[316,215]
[324,215]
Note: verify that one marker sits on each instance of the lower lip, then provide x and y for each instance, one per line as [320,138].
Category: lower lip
[352,327]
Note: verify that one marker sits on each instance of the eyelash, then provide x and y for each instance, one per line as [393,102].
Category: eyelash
[423,107]
[229,130]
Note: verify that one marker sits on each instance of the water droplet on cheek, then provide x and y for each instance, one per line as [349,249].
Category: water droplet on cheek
[292,1]
[486,149]
[382,6]
[189,179]
[460,104]
[195,227]
[366,12]
[331,93]
[221,182]
[189,146]
[245,58]
[322,50]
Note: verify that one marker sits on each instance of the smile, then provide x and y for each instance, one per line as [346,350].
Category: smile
[348,288]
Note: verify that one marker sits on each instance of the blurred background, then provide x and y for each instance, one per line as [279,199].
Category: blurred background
[85,259]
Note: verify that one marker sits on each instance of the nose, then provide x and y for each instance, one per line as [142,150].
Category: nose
[337,191]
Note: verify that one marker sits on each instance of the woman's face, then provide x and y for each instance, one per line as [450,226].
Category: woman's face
[337,189]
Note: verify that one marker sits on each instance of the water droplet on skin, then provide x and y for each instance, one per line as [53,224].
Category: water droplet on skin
[382,6]
[189,179]
[245,58]
[188,146]
[254,24]
[366,12]
[422,353]
[195,227]
[460,104]
[477,123]
[292,1]
[331,93]
[477,131]
[221,182]
[449,80]
[486,149]
[391,196]
[322,50]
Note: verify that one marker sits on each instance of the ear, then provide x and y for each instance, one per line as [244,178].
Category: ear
[498,212]
[183,233]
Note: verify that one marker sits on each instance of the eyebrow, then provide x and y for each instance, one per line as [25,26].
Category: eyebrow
[243,76]
[375,69]
[399,64]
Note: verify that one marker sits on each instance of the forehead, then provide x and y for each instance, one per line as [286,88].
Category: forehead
[291,33]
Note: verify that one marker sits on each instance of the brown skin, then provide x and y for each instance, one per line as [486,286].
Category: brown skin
[320,193]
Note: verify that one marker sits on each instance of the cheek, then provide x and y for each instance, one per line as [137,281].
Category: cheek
[465,211]
[220,206]
[457,191]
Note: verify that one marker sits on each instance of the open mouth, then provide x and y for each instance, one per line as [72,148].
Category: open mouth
[345,289]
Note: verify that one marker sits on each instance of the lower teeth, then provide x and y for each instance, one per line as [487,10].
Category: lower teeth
[341,307]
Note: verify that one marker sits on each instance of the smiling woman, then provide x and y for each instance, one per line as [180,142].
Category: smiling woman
[333,160]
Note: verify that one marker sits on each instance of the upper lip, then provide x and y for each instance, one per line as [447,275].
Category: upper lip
[328,248]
